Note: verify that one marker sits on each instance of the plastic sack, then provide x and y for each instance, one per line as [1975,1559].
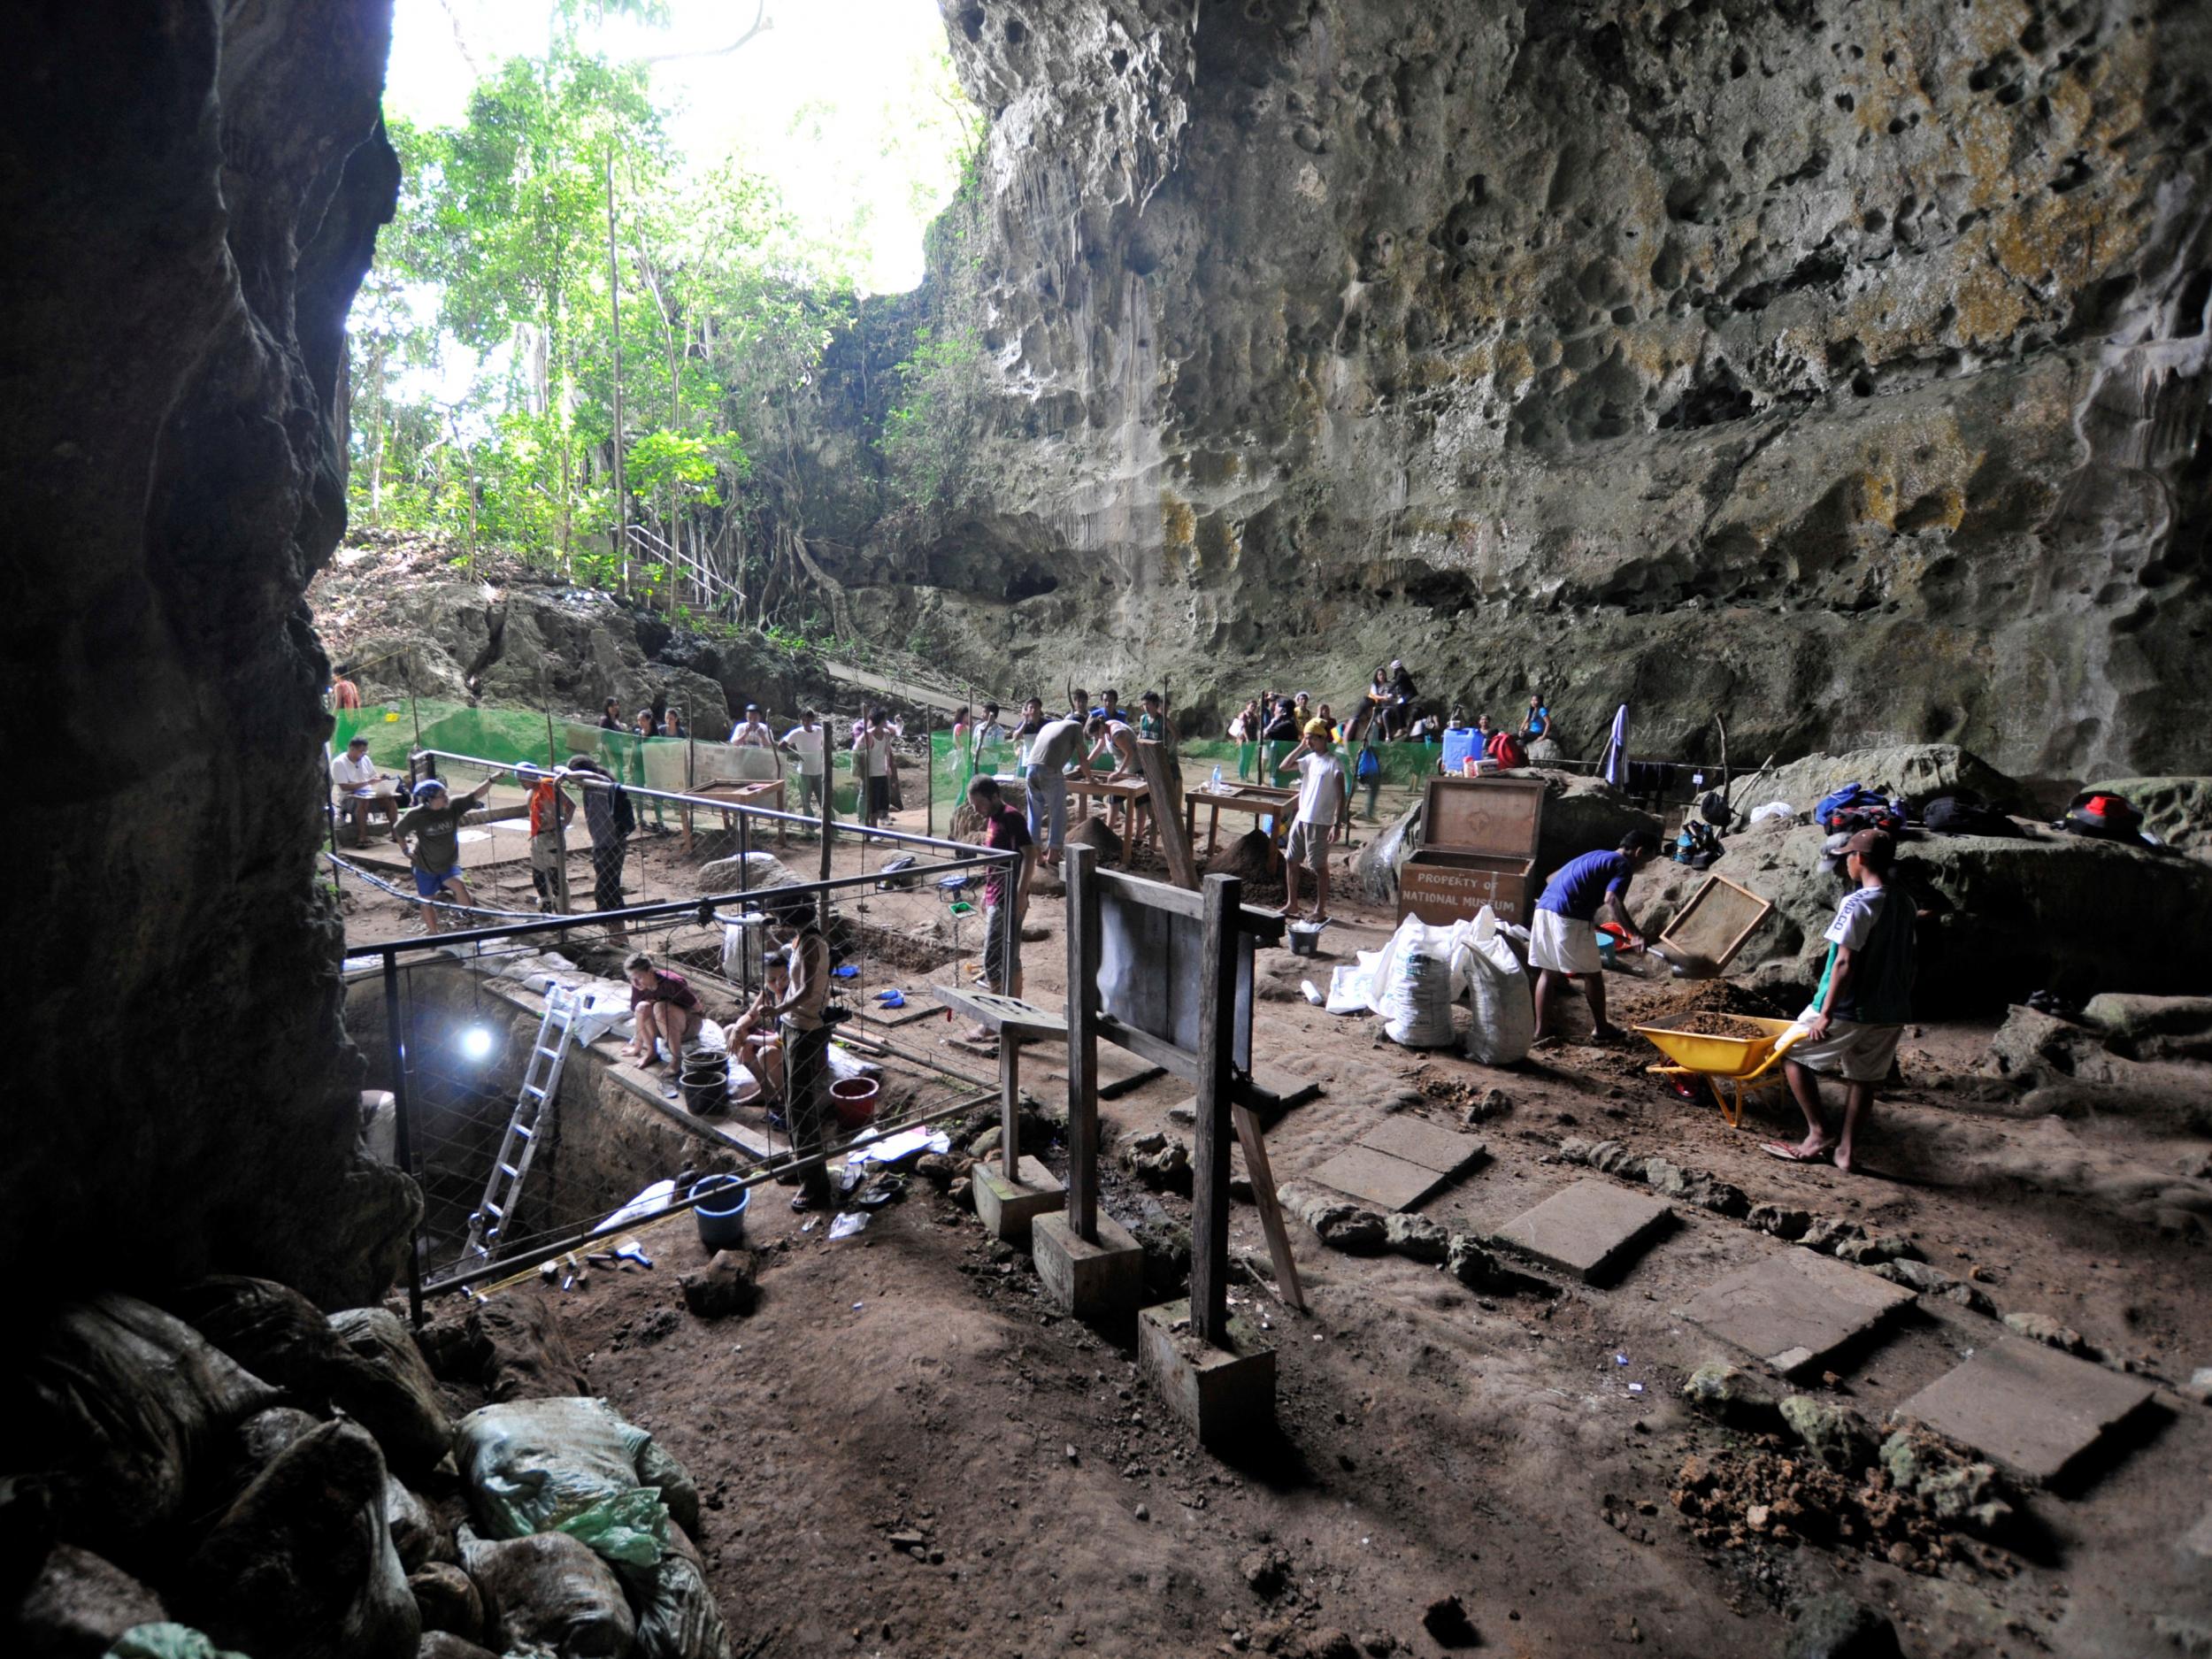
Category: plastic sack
[166,1642]
[531,1464]
[1771,812]
[122,1404]
[1419,984]
[389,1389]
[1349,985]
[302,1565]
[548,1595]
[1504,1023]
[677,1615]
[631,1526]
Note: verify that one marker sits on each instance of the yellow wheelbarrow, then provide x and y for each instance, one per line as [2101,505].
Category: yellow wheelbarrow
[1744,1065]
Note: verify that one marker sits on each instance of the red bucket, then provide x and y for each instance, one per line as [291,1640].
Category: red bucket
[854,1101]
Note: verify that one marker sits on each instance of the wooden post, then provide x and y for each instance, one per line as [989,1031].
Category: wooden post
[1164,780]
[1083,946]
[929,772]
[1009,1106]
[1223,897]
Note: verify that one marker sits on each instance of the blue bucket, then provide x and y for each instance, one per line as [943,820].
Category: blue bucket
[720,1215]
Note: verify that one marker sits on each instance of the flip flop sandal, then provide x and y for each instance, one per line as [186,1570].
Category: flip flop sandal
[1791,1155]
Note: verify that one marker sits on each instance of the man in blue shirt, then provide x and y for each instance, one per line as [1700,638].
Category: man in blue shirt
[1562,933]
[1851,1027]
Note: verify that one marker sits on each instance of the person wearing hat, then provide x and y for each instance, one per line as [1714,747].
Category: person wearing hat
[364,789]
[1322,798]
[431,832]
[1563,937]
[752,732]
[1850,1029]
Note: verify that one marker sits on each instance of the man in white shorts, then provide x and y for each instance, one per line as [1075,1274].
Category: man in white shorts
[1850,1029]
[1321,796]
[1562,936]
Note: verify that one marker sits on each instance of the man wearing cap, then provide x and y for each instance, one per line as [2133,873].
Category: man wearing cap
[364,789]
[1562,938]
[1851,1027]
[752,732]
[1322,797]
[430,831]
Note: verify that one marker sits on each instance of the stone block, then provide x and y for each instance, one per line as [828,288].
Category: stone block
[1796,1309]
[1221,1393]
[1591,1230]
[1084,1276]
[1006,1208]
[2028,1409]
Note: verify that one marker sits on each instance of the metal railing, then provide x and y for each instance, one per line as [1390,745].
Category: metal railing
[443,996]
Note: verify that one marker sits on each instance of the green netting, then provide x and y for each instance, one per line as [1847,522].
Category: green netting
[954,761]
[523,737]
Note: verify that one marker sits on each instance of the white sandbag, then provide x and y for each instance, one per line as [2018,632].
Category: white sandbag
[1349,985]
[1419,984]
[1504,1023]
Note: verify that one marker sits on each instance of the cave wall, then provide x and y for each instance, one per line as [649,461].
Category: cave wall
[1840,367]
[192,192]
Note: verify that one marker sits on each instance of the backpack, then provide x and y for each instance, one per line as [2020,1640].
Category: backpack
[1856,807]
[1964,812]
[625,820]
[1370,766]
[2104,816]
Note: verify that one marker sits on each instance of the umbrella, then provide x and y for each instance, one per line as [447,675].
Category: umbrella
[1616,766]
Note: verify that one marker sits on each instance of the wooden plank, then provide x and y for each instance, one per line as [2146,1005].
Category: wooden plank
[1082,1029]
[1262,925]
[1255,1165]
[1160,1052]
[1166,781]
[1210,1152]
[1026,1021]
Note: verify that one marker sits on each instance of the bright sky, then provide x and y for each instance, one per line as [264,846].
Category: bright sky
[821,101]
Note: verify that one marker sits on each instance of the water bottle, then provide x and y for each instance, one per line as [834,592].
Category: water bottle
[1216,779]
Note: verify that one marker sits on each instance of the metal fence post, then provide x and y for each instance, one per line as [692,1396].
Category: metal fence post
[403,1141]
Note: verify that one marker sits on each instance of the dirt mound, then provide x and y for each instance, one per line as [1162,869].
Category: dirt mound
[1092,832]
[1682,998]
[1250,857]
[1719,1025]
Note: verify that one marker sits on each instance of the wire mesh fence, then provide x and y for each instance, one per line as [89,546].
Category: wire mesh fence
[450,1024]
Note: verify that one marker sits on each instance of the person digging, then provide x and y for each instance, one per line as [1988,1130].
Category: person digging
[1850,1028]
[1562,938]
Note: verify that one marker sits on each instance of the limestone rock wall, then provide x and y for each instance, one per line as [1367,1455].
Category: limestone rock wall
[1839,366]
[191,193]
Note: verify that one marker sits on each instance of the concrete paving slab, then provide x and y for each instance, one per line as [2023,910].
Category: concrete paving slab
[1376,1179]
[1417,1140]
[1120,1072]
[1796,1308]
[1591,1229]
[2027,1408]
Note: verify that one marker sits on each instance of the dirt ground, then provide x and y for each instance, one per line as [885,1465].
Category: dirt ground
[1429,1442]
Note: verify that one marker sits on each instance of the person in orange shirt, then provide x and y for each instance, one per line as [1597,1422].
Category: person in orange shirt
[550,809]
[343,693]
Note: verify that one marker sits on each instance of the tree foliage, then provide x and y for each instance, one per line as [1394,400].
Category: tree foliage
[484,344]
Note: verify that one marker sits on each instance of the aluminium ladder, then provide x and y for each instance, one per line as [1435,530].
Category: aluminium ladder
[532,1115]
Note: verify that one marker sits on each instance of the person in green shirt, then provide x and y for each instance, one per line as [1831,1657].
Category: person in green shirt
[431,832]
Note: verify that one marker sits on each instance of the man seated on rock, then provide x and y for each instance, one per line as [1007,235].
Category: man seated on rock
[362,790]
[1851,1027]
[667,1009]
[1562,939]
[431,832]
